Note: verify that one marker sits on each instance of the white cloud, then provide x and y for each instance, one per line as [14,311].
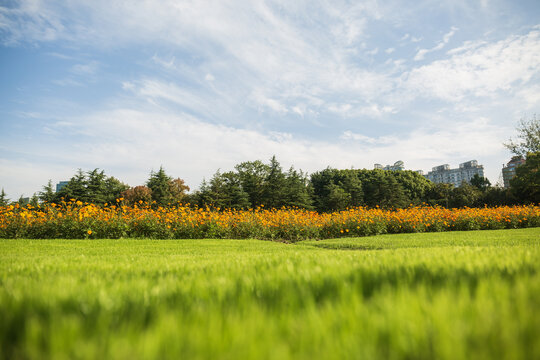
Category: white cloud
[479,69]
[30,21]
[372,52]
[128,144]
[420,55]
[68,82]
[367,140]
[262,64]
[161,94]
[126,85]
[259,42]
[168,64]
[89,68]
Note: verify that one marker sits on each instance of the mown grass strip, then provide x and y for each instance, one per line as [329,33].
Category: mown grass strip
[444,295]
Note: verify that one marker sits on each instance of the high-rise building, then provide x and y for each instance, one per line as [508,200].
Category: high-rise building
[509,171]
[465,172]
[398,166]
[60,185]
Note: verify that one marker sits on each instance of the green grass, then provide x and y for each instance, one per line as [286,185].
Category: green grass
[458,295]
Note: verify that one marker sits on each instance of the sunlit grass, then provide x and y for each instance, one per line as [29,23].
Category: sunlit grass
[411,296]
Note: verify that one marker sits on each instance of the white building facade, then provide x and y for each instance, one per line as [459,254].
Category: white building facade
[398,166]
[465,172]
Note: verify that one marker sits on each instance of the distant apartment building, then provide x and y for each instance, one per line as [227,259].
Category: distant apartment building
[465,172]
[398,166]
[60,185]
[509,171]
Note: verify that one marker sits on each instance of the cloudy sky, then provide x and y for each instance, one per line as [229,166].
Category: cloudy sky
[200,85]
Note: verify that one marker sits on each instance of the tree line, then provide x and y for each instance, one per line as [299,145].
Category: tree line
[254,183]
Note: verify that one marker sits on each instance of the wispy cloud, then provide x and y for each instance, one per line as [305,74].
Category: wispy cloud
[315,82]
[138,141]
[89,68]
[480,69]
[421,54]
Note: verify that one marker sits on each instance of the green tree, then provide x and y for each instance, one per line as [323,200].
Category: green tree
[497,196]
[96,187]
[3,198]
[47,194]
[252,176]
[297,191]
[234,195]
[525,186]
[336,199]
[480,182]
[322,183]
[528,137]
[34,200]
[465,195]
[216,194]
[439,194]
[415,186]
[202,197]
[381,188]
[223,191]
[336,189]
[74,189]
[92,187]
[159,184]
[23,201]
[113,189]
[274,185]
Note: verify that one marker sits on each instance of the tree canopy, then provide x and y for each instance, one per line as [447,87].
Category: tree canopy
[528,137]
[92,187]
[526,184]
[165,189]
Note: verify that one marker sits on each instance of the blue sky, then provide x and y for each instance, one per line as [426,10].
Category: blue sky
[199,85]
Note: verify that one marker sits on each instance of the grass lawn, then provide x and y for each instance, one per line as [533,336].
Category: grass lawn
[456,295]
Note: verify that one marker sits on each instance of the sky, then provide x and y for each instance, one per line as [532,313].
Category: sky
[197,86]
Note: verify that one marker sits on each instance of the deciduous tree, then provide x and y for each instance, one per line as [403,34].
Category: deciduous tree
[526,184]
[528,137]
[137,194]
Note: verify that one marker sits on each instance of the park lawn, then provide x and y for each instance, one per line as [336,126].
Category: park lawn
[454,295]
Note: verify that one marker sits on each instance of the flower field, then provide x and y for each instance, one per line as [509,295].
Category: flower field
[75,219]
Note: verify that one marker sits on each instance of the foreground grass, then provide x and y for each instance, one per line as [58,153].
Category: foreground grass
[411,296]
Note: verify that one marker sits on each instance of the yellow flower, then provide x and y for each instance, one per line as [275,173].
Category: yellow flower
[89,232]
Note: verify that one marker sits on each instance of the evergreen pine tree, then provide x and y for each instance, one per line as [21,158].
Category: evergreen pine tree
[297,191]
[34,200]
[274,186]
[75,188]
[3,199]
[47,194]
[252,176]
[113,189]
[96,187]
[159,184]
[235,196]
